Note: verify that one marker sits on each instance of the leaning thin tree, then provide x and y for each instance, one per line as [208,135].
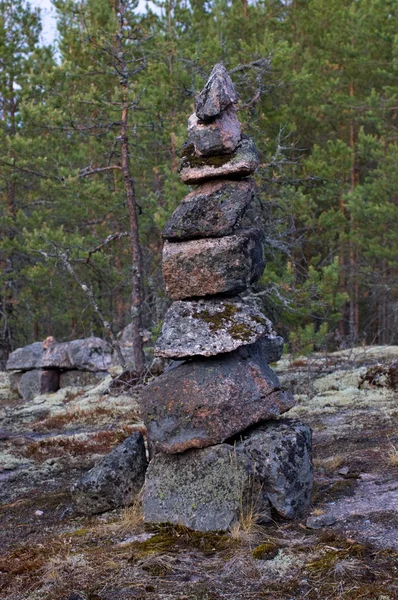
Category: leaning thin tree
[120,52]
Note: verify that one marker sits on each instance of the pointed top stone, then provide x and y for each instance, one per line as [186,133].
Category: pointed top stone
[217,95]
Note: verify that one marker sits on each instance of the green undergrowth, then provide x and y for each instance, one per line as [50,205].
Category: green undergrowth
[265,551]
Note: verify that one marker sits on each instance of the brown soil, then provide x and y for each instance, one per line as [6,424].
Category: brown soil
[49,553]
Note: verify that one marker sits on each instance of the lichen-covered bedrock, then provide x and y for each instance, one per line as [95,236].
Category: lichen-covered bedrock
[213,265]
[214,209]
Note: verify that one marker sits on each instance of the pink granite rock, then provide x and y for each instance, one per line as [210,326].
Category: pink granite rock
[219,136]
[205,401]
[213,265]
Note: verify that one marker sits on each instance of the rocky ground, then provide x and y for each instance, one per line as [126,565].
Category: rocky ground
[49,553]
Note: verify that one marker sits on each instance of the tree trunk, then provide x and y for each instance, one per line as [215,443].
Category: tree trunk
[136,253]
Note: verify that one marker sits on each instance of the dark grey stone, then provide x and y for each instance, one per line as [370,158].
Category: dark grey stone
[115,481]
[271,347]
[213,266]
[214,209]
[210,327]
[75,378]
[220,136]
[319,521]
[217,94]
[205,401]
[205,490]
[38,381]
[282,455]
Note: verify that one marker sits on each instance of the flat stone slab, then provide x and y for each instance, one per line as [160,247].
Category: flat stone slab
[90,354]
[205,490]
[241,163]
[282,456]
[205,401]
[115,481]
[214,209]
[213,265]
[217,94]
[209,327]
[219,136]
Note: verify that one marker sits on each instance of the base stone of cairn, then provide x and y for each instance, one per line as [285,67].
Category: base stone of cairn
[205,490]
[218,444]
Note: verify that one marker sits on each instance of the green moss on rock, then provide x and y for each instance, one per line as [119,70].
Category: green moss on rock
[265,551]
[225,319]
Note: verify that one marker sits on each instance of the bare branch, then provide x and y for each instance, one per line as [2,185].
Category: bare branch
[108,240]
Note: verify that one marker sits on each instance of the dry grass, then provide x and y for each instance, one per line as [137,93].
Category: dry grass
[329,465]
[96,443]
[83,417]
[392,456]
[248,529]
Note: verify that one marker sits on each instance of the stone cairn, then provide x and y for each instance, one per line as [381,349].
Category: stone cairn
[216,447]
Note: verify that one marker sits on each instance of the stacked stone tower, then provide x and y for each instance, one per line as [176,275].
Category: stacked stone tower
[216,447]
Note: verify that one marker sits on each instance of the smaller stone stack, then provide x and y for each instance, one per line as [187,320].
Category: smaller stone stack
[216,449]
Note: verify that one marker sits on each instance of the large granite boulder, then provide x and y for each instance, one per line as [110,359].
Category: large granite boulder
[209,327]
[213,265]
[281,452]
[217,95]
[214,209]
[25,358]
[90,354]
[115,481]
[220,136]
[205,490]
[75,378]
[205,401]
[196,169]
[38,381]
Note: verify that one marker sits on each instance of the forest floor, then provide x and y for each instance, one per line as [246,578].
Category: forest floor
[50,553]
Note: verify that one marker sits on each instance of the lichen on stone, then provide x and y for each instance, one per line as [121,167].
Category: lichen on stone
[226,319]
